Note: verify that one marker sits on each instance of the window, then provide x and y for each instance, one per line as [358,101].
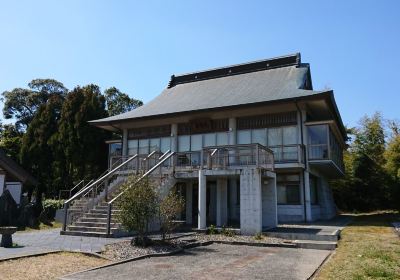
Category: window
[244,137]
[143,146]
[222,138]
[314,190]
[318,142]
[259,136]
[288,188]
[289,134]
[165,144]
[155,144]
[196,142]
[132,147]
[183,143]
[275,142]
[209,139]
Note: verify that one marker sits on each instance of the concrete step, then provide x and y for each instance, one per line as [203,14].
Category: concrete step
[314,244]
[86,233]
[89,229]
[102,211]
[97,220]
[292,235]
[98,215]
[96,224]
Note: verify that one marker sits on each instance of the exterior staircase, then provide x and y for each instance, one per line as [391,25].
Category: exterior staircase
[87,213]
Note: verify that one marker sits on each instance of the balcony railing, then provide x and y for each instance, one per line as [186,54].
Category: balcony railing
[288,153]
[215,157]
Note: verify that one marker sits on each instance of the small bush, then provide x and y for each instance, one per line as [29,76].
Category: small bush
[212,230]
[50,206]
[138,207]
[169,207]
[227,232]
[258,236]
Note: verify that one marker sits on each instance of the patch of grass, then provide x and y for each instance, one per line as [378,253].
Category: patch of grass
[368,249]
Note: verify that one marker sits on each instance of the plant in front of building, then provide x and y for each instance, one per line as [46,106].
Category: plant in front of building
[258,236]
[169,207]
[138,208]
[212,230]
[227,232]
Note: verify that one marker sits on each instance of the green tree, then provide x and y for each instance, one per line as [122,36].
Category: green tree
[36,153]
[84,152]
[22,104]
[10,140]
[119,102]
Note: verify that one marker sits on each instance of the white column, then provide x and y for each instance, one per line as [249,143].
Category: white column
[222,202]
[174,137]
[250,201]
[189,204]
[307,196]
[125,142]
[202,200]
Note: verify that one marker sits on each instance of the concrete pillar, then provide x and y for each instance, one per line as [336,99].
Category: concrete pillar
[233,203]
[269,202]
[307,196]
[250,201]
[174,137]
[222,202]
[125,142]
[189,204]
[202,213]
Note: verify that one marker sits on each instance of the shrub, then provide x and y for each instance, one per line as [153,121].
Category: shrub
[212,230]
[138,207]
[227,232]
[258,236]
[50,206]
[169,207]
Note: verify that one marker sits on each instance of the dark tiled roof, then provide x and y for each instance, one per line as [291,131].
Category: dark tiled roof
[260,81]
[13,168]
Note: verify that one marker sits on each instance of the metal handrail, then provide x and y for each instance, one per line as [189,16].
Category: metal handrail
[101,178]
[168,156]
[70,190]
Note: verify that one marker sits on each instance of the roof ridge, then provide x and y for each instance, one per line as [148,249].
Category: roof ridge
[236,69]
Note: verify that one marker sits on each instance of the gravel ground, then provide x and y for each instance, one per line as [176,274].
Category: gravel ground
[124,250]
[237,238]
[50,266]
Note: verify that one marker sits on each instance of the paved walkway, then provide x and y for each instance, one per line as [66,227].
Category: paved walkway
[50,240]
[217,261]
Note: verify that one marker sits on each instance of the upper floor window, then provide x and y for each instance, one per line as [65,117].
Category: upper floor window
[318,141]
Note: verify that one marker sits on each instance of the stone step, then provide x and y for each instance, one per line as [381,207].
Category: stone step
[86,233]
[89,229]
[98,215]
[96,224]
[97,220]
[314,244]
[303,236]
[103,211]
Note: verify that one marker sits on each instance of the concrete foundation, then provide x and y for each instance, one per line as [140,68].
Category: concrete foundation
[250,202]
[222,202]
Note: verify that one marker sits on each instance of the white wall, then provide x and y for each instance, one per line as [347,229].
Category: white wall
[15,189]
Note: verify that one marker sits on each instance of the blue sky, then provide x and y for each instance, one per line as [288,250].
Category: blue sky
[353,46]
